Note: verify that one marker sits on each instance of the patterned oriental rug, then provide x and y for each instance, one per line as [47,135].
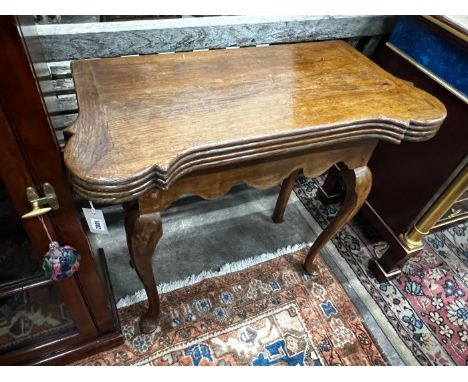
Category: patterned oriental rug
[272,313]
[426,306]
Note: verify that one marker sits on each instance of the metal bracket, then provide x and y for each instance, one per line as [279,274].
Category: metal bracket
[38,204]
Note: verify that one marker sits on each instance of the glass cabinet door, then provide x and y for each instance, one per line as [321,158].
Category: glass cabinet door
[31,309]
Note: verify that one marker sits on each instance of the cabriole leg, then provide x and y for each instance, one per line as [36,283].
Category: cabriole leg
[357,183]
[143,234]
[283,197]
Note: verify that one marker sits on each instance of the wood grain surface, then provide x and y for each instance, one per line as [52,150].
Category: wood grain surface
[145,121]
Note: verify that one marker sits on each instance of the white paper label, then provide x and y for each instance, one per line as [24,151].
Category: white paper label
[95,220]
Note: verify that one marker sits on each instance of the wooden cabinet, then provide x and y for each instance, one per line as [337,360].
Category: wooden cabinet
[456,213]
[419,189]
[41,321]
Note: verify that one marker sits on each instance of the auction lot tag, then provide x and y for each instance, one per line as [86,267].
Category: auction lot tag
[95,220]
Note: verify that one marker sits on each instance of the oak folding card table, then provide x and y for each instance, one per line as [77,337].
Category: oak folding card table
[151,128]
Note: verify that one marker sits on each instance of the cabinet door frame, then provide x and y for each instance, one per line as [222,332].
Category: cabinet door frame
[31,156]
[16,177]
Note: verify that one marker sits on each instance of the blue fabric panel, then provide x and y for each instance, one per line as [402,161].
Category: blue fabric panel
[440,56]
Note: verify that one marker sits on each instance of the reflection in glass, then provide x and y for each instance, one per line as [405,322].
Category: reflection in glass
[17,257]
[29,317]
[36,314]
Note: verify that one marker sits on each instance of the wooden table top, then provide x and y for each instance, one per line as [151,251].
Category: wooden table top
[146,120]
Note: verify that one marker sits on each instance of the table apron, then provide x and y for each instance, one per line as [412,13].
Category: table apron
[259,174]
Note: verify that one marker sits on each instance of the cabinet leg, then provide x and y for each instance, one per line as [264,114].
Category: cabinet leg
[143,234]
[331,191]
[283,197]
[381,274]
[357,183]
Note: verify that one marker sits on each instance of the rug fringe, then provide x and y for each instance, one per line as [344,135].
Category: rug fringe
[225,269]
